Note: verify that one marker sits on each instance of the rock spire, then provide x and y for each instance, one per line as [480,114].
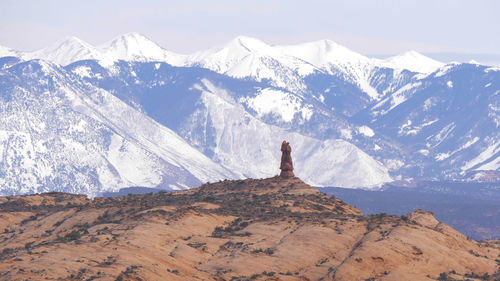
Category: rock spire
[286,161]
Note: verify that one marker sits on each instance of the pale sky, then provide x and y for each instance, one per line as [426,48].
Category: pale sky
[451,29]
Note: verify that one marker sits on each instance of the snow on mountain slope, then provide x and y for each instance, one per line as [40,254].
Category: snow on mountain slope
[448,121]
[226,58]
[334,58]
[59,134]
[130,47]
[65,51]
[136,47]
[489,159]
[287,65]
[246,144]
[7,52]
[151,136]
[396,98]
[241,57]
[284,106]
[246,57]
[335,104]
[165,93]
[412,61]
[323,54]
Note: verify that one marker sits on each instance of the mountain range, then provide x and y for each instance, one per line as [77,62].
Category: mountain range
[86,119]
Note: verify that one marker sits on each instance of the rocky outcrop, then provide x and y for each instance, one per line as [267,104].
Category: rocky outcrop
[269,229]
[286,166]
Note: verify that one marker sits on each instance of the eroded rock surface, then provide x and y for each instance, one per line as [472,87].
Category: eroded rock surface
[286,166]
[270,229]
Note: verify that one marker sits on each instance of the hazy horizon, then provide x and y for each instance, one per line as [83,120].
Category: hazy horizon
[487,59]
[386,27]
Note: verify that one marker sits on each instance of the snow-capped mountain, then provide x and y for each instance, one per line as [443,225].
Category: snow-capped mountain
[322,163]
[413,61]
[136,47]
[336,59]
[238,58]
[287,65]
[324,54]
[130,113]
[7,52]
[219,122]
[131,47]
[229,57]
[61,134]
[244,57]
[65,51]
[450,119]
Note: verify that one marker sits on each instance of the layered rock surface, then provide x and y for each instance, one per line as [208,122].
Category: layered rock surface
[286,166]
[270,229]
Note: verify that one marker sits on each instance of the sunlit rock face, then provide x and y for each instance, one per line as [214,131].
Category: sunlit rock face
[286,166]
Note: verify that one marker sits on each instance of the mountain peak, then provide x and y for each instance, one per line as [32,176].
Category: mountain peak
[67,43]
[240,57]
[127,39]
[6,52]
[249,44]
[65,51]
[133,46]
[322,53]
[132,36]
[412,61]
[412,53]
[73,39]
[327,43]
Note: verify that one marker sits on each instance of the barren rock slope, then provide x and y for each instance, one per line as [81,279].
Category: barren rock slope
[271,229]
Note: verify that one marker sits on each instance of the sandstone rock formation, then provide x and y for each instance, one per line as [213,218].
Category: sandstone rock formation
[286,161]
[270,229]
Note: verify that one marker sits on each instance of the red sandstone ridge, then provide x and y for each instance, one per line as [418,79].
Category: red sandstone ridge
[271,229]
[286,161]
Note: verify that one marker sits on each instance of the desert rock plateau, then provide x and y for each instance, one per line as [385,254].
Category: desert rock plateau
[268,229]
